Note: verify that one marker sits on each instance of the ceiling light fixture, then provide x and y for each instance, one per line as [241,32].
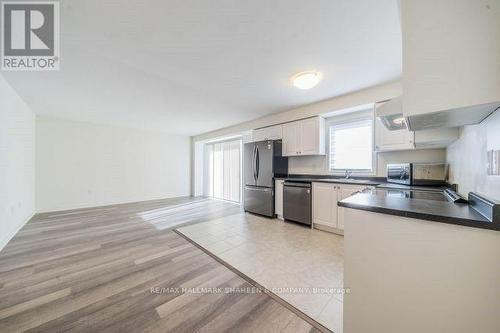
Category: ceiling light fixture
[306,80]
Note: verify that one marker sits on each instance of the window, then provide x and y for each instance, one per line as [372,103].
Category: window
[351,145]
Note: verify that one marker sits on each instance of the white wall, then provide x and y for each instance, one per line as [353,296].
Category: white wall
[83,165]
[17,162]
[468,158]
[319,165]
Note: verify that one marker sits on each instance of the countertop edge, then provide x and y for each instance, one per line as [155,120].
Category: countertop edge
[422,216]
[333,181]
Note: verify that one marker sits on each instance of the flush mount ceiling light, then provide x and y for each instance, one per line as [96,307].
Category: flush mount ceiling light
[306,80]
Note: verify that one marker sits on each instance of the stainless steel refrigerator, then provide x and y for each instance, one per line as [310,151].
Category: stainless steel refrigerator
[262,162]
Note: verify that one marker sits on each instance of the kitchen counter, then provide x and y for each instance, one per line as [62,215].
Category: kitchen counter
[430,210]
[334,180]
[378,182]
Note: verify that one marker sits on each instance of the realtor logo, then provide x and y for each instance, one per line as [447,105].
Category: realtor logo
[30,36]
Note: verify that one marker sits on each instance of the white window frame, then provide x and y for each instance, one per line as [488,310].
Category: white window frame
[345,119]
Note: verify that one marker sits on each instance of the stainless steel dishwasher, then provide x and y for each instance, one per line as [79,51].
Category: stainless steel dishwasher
[297,202]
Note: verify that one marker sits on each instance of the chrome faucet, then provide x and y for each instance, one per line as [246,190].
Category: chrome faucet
[348,174]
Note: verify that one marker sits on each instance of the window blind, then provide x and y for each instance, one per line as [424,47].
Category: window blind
[351,146]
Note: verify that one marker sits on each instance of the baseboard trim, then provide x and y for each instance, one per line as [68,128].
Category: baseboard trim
[329,229]
[67,210]
[6,241]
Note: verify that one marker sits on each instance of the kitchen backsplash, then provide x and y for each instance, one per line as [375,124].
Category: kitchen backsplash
[468,158]
[317,165]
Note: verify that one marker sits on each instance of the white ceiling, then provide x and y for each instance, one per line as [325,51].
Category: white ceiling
[191,66]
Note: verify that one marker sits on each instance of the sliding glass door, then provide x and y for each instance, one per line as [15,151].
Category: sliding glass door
[224,170]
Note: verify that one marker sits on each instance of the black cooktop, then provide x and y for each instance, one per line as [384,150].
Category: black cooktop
[410,194]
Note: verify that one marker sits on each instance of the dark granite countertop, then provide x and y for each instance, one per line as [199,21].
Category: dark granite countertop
[430,210]
[335,180]
[379,182]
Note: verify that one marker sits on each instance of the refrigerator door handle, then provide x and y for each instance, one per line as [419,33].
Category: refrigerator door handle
[257,162]
[254,164]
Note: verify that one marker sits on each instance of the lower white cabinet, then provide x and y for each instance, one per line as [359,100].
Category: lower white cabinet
[278,198]
[324,200]
[326,214]
[344,192]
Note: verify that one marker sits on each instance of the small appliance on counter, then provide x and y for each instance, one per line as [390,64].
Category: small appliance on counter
[262,162]
[427,174]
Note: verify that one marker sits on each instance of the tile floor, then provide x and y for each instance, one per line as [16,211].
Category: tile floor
[280,255]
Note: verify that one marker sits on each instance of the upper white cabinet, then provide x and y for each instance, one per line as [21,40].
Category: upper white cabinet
[386,140]
[268,133]
[304,137]
[312,136]
[451,61]
[291,139]
[391,140]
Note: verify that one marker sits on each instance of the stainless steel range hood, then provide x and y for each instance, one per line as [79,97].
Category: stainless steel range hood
[392,116]
[452,118]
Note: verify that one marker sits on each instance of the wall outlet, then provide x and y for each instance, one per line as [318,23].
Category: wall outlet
[493,163]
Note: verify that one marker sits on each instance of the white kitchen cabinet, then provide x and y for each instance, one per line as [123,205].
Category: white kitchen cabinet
[291,139]
[304,137]
[451,57]
[325,196]
[324,199]
[386,140]
[344,192]
[312,136]
[268,133]
[278,198]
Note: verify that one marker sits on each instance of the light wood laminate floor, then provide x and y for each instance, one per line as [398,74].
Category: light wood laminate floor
[119,269]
